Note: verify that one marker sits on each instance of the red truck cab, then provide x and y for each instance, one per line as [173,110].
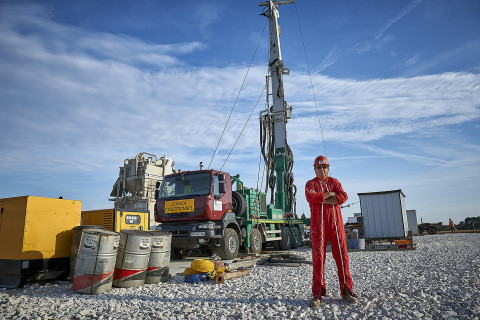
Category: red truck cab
[196,207]
[194,195]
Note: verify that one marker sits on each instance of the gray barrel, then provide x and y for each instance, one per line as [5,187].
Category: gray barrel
[132,258]
[95,261]
[158,265]
[76,237]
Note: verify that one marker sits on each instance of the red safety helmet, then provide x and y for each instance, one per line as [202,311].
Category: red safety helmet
[320,160]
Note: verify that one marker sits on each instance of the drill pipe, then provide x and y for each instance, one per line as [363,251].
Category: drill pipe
[221,277]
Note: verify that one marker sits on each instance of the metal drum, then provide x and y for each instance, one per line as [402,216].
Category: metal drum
[158,265]
[76,237]
[95,261]
[132,258]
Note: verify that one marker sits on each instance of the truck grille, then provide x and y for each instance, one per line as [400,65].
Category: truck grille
[196,212]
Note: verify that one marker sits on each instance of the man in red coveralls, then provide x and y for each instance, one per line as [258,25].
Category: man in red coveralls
[325,195]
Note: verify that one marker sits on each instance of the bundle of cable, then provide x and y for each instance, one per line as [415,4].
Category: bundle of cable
[202,266]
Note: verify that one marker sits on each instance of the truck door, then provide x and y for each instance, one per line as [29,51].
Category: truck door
[222,194]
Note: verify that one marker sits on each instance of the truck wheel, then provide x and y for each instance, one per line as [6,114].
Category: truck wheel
[294,244]
[239,204]
[431,230]
[179,254]
[286,242]
[229,245]
[255,241]
[276,245]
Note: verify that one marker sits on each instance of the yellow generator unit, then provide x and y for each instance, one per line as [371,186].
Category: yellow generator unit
[117,219]
[35,238]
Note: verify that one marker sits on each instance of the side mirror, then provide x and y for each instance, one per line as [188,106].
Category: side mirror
[157,189]
[221,177]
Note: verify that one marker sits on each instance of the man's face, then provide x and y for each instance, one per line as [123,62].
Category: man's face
[321,171]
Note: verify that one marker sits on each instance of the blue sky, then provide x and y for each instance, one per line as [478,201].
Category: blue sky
[87,84]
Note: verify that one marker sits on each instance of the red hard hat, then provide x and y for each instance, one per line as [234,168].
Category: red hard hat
[320,160]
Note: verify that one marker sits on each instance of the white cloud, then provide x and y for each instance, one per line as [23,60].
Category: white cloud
[74,96]
[412,5]
[29,31]
[369,110]
[330,59]
[414,59]
[460,52]
[396,154]
[207,14]
[381,39]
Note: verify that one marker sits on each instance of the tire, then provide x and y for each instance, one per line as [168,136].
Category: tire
[255,241]
[276,245]
[229,245]
[286,242]
[431,230]
[294,244]
[179,254]
[239,204]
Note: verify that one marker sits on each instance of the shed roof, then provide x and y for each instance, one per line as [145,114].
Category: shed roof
[380,192]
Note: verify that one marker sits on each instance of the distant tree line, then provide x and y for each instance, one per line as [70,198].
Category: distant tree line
[470,223]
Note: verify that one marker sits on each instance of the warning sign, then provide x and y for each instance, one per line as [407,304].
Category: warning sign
[175,206]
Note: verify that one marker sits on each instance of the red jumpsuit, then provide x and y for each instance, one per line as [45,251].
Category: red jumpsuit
[326,223]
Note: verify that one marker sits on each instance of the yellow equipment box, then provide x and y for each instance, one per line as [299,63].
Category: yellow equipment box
[35,238]
[117,219]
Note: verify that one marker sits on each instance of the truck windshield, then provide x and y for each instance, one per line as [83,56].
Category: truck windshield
[194,184]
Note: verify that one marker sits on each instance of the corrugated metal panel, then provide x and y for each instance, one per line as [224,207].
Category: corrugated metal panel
[412,221]
[384,214]
[102,217]
[404,213]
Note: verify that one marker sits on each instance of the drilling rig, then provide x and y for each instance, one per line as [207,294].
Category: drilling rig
[201,208]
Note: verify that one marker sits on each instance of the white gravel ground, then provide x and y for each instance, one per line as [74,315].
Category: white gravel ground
[438,280]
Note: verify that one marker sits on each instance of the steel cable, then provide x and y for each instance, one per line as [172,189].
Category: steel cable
[238,95]
[241,132]
[311,81]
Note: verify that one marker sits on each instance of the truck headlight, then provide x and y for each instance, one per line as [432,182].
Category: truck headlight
[206,226]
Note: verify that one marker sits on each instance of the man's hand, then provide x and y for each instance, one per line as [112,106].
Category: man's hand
[327,195]
[330,198]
